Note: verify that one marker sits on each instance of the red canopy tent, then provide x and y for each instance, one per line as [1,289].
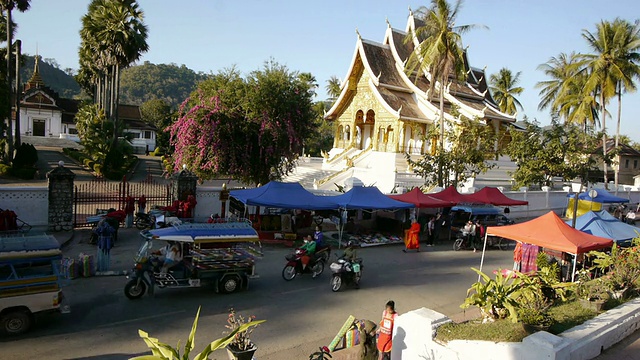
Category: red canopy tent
[452,195]
[421,200]
[491,195]
[549,231]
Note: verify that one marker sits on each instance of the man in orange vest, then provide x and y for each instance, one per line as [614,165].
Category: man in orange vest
[385,332]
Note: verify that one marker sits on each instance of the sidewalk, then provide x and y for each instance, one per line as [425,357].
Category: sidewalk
[627,349]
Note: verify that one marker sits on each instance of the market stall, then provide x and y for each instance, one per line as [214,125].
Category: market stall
[368,198]
[493,196]
[603,224]
[551,232]
[421,200]
[587,202]
[452,195]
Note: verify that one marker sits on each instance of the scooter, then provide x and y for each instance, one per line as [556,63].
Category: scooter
[294,265]
[346,273]
[143,221]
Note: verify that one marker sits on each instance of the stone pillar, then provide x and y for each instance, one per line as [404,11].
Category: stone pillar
[60,183]
[184,184]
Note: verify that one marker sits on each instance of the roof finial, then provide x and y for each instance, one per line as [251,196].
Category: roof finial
[379,74]
[358,32]
[484,92]
[410,11]
[399,110]
[387,20]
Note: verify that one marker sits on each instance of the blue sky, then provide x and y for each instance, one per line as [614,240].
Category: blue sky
[319,36]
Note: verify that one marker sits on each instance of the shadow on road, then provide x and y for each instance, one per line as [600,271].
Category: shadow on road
[111,356]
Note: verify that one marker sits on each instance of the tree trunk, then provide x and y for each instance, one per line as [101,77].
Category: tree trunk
[441,143]
[18,93]
[9,121]
[604,138]
[617,170]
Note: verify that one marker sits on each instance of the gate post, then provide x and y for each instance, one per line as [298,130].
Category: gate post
[60,184]
[184,184]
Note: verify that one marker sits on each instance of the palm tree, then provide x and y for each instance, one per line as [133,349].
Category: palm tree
[563,94]
[628,46]
[333,88]
[22,6]
[504,89]
[439,53]
[310,81]
[604,69]
[113,36]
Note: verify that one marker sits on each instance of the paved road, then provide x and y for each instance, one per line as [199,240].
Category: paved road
[301,315]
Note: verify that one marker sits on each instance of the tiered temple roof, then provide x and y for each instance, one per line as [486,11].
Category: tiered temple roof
[409,97]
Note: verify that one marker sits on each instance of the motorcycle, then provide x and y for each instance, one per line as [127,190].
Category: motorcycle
[346,273]
[463,242]
[143,221]
[315,265]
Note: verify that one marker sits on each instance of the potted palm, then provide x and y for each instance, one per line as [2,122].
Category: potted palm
[241,347]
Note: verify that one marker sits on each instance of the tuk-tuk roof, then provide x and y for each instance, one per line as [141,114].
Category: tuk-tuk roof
[197,232]
[28,246]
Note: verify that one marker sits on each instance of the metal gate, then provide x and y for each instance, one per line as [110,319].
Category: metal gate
[96,196]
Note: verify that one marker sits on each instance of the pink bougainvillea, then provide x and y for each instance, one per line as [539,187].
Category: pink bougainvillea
[253,134]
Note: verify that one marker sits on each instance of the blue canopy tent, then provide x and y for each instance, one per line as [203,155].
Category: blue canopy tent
[360,197]
[603,197]
[285,196]
[605,225]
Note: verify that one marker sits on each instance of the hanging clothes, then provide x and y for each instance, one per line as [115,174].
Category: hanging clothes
[529,257]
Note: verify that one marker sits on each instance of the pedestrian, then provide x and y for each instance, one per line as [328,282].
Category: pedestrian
[105,233]
[479,233]
[431,231]
[413,237]
[437,226]
[385,331]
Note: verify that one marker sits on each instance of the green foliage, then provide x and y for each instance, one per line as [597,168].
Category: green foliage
[499,330]
[26,156]
[157,112]
[323,353]
[162,351]
[255,126]
[621,267]
[471,144]
[556,151]
[55,78]
[568,315]
[168,83]
[4,169]
[497,298]
[504,90]
[321,139]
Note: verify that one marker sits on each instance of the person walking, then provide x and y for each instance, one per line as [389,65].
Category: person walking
[479,238]
[431,231]
[413,237]
[437,226]
[385,331]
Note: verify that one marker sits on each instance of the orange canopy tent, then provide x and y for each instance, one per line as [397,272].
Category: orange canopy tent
[551,232]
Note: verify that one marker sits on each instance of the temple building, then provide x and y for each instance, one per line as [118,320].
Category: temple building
[44,114]
[381,114]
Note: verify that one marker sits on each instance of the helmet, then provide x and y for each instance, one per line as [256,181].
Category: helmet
[351,243]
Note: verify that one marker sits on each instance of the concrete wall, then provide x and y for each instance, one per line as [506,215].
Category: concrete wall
[30,203]
[208,198]
[414,333]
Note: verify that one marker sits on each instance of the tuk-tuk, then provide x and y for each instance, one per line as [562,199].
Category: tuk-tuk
[29,280]
[219,254]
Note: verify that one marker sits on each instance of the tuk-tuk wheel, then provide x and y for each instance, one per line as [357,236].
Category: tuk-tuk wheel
[15,322]
[229,284]
[134,290]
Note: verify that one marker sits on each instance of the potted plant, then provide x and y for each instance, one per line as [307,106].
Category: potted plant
[592,293]
[241,347]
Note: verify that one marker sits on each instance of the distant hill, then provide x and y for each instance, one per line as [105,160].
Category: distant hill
[169,82]
[54,77]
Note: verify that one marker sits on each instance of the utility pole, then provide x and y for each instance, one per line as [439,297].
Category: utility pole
[18,93]
[9,78]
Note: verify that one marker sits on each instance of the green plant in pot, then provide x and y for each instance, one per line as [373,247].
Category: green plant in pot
[592,293]
[241,347]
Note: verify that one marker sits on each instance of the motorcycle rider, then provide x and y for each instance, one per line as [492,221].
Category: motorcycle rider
[309,247]
[351,255]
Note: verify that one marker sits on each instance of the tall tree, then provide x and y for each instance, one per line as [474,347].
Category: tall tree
[333,88]
[113,36]
[628,46]
[158,113]
[604,69]
[439,53]
[504,89]
[252,129]
[8,6]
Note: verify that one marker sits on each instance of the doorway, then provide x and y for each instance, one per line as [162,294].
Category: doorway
[38,127]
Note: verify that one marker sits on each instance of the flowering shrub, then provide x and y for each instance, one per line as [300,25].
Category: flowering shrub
[621,267]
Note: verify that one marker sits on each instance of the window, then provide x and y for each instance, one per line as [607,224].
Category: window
[147,134]
[626,164]
[635,164]
[73,131]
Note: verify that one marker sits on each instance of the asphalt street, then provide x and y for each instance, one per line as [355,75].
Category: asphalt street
[301,315]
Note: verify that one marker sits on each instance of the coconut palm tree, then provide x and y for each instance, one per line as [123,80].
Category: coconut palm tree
[333,87]
[604,69]
[8,6]
[439,53]
[628,47]
[504,89]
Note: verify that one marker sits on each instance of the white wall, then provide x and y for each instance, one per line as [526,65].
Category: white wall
[209,203]
[30,203]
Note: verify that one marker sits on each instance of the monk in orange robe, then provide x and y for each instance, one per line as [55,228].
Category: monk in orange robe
[412,241]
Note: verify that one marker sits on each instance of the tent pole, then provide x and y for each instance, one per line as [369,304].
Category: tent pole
[573,274]
[484,247]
